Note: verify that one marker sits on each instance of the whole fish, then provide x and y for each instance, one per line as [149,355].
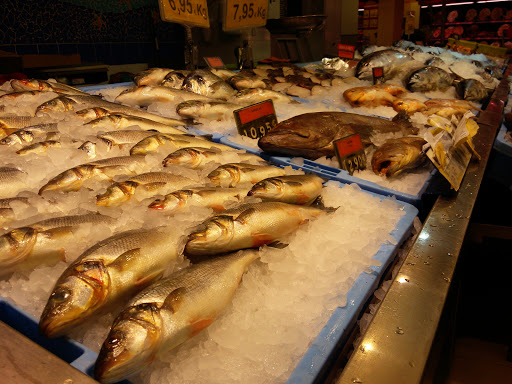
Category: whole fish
[293,189]
[151,76]
[471,90]
[397,155]
[378,94]
[255,95]
[43,242]
[28,134]
[39,147]
[146,95]
[214,198]
[130,136]
[212,110]
[168,313]
[204,82]
[89,114]
[81,102]
[12,181]
[428,79]
[389,59]
[45,86]
[145,185]
[243,82]
[173,79]
[155,142]
[113,269]
[311,135]
[232,174]
[248,226]
[120,121]
[73,178]
[411,106]
[197,157]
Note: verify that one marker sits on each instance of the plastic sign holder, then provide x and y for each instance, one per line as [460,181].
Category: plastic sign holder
[193,13]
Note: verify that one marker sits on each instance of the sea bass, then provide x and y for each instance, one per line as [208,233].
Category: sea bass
[311,135]
[214,198]
[120,121]
[205,83]
[232,174]
[161,141]
[168,313]
[151,76]
[197,157]
[28,134]
[397,155]
[146,95]
[211,110]
[43,242]
[389,59]
[12,181]
[122,137]
[293,189]
[6,208]
[45,86]
[255,95]
[173,79]
[115,268]
[144,185]
[39,147]
[73,178]
[247,226]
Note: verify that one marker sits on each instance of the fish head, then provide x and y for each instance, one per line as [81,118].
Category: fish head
[116,194]
[172,202]
[131,343]
[69,180]
[213,234]
[271,188]
[173,80]
[195,83]
[11,140]
[190,157]
[90,148]
[26,85]
[364,69]
[16,245]
[78,293]
[59,104]
[225,175]
[189,108]
[394,156]
[92,113]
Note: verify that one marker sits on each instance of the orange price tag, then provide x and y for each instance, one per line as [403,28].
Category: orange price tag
[256,120]
[350,153]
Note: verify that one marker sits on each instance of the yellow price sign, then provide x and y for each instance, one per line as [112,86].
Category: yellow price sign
[245,14]
[189,12]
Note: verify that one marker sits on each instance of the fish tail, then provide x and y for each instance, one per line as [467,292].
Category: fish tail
[319,203]
[403,120]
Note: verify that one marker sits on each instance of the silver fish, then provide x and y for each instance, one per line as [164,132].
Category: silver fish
[214,198]
[197,157]
[155,142]
[168,313]
[173,79]
[121,121]
[247,226]
[211,110]
[390,59]
[151,76]
[12,181]
[89,114]
[255,95]
[144,185]
[293,189]
[146,95]
[39,147]
[73,178]
[28,134]
[113,269]
[232,174]
[45,86]
[131,136]
[43,242]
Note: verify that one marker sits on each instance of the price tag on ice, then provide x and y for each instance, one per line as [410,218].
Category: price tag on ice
[256,120]
[378,74]
[245,14]
[214,62]
[189,12]
[350,153]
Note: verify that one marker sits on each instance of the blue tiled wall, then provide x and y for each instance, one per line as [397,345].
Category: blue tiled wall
[51,27]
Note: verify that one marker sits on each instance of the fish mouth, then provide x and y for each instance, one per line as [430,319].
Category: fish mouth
[158,205]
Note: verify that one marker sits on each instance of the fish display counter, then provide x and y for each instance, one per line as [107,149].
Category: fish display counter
[177,257]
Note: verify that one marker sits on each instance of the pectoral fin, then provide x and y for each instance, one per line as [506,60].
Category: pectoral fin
[174,299]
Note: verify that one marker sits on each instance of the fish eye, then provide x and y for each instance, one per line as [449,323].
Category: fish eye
[61,294]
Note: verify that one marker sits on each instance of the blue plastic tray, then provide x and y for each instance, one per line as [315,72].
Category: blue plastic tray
[316,360]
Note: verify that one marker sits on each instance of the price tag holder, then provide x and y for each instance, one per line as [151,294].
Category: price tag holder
[241,14]
[350,153]
[378,74]
[256,120]
[214,62]
[346,51]
[189,12]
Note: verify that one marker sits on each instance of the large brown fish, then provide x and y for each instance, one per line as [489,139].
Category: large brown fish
[311,135]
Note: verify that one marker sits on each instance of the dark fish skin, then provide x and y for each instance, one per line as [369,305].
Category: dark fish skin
[429,78]
[311,135]
[389,59]
[396,155]
[472,90]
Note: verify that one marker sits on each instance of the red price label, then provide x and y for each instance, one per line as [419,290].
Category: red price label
[350,153]
[345,47]
[348,145]
[256,111]
[346,54]
[256,120]
[214,62]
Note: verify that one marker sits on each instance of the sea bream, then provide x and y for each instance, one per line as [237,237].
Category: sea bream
[311,135]
[45,86]
[215,198]
[397,155]
[248,226]
[389,59]
[143,186]
[44,242]
[73,178]
[233,174]
[115,268]
[293,189]
[168,313]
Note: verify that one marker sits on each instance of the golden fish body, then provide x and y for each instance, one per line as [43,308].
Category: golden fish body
[232,174]
[121,121]
[293,189]
[197,157]
[162,141]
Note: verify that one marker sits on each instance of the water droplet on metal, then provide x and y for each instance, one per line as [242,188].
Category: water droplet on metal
[399,331]
[451,226]
[450,254]
[411,263]
[426,263]
[356,380]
